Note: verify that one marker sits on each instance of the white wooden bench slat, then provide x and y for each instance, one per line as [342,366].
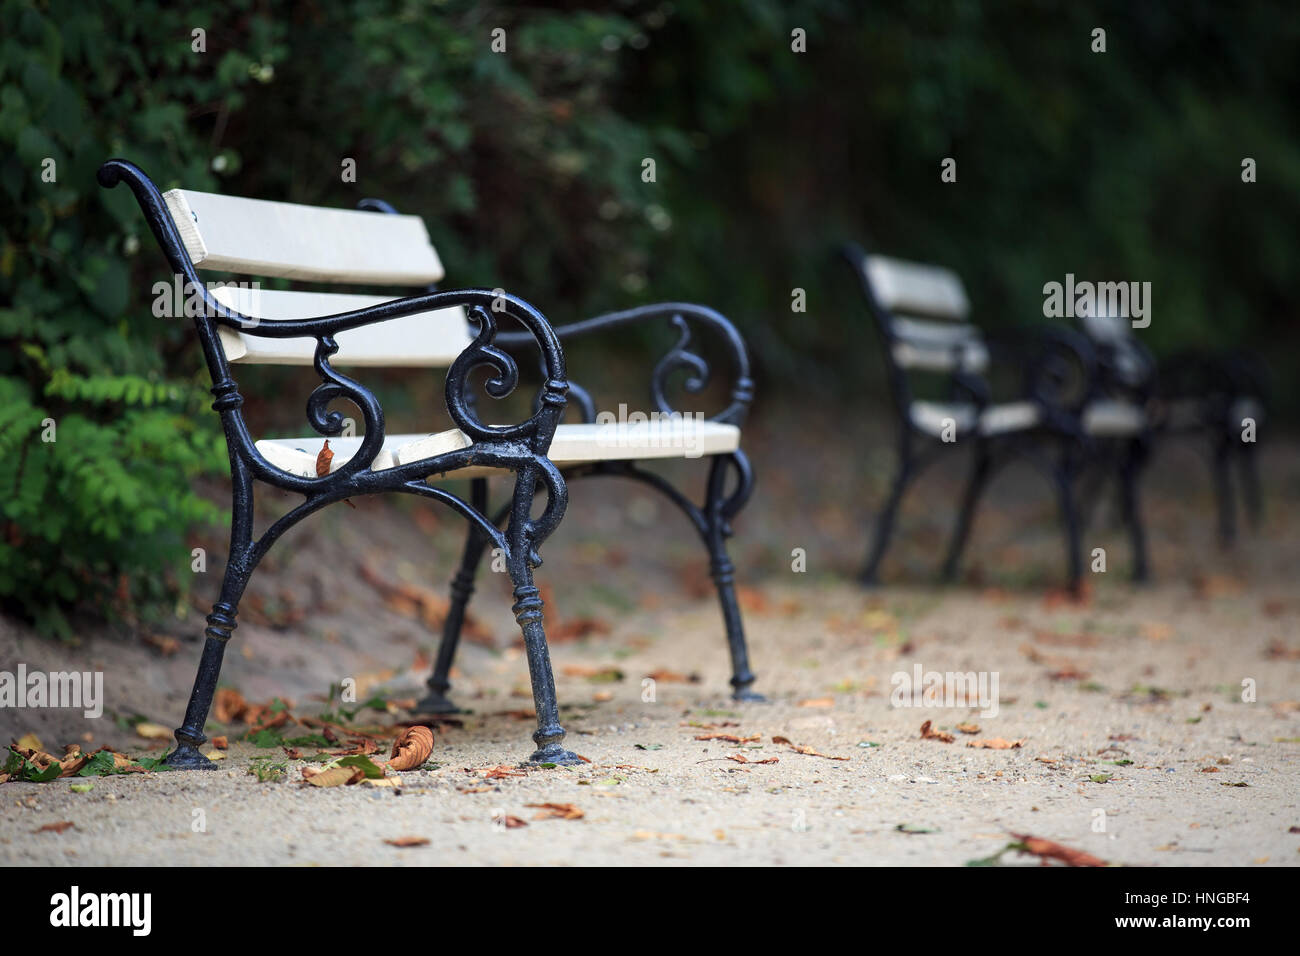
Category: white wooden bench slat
[572,445]
[912,287]
[936,345]
[293,241]
[999,419]
[425,340]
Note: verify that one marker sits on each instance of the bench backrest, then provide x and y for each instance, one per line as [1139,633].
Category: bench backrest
[312,243]
[923,310]
[1114,334]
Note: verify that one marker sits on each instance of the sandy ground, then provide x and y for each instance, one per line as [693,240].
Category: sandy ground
[1135,744]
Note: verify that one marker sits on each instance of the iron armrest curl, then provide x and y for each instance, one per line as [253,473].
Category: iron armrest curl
[682,356]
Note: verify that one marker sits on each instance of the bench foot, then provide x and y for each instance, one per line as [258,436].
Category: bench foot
[749,695]
[187,757]
[553,754]
[435,703]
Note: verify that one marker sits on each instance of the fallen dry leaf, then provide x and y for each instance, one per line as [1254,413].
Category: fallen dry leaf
[1156,632]
[333,777]
[1216,585]
[818,702]
[969,728]
[56,827]
[741,758]
[229,706]
[221,743]
[809,751]
[672,677]
[556,811]
[1048,850]
[577,628]
[411,749]
[780,740]
[593,673]
[1065,640]
[730,738]
[929,733]
[408,841]
[496,773]
[995,743]
[1069,672]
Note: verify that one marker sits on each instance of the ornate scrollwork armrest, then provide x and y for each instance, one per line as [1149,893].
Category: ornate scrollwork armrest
[501,444]
[1058,366]
[683,356]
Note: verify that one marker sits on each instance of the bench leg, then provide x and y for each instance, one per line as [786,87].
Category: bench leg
[221,622]
[462,588]
[1223,492]
[1063,478]
[885,525]
[1249,475]
[719,508]
[549,734]
[520,561]
[1130,471]
[975,485]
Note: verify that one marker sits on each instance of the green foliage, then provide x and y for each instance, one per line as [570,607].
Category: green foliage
[527,167]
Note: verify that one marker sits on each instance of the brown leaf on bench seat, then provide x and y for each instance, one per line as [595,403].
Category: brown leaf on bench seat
[323,466]
[411,749]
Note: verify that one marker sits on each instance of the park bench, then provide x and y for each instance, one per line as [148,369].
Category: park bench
[456,330]
[1194,393]
[1058,419]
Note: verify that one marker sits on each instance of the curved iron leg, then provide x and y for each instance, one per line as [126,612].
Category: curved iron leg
[462,588]
[1130,470]
[1064,479]
[974,487]
[221,622]
[1249,476]
[885,524]
[1223,492]
[717,515]
[528,614]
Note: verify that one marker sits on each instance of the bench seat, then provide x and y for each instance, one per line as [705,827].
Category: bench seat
[572,445]
[1000,419]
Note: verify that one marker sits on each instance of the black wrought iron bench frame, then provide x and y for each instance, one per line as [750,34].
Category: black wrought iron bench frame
[712,520]
[1058,376]
[520,448]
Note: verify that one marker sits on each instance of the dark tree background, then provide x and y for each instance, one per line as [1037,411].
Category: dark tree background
[1122,165]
